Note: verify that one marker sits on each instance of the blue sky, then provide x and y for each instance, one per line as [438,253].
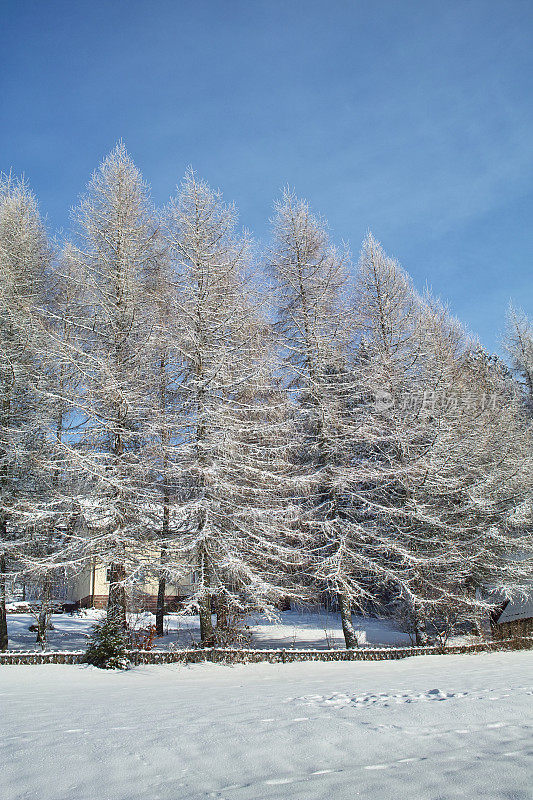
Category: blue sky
[413,119]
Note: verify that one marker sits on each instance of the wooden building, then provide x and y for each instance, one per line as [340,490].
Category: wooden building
[513,618]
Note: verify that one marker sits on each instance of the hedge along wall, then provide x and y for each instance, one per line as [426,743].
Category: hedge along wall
[228,655]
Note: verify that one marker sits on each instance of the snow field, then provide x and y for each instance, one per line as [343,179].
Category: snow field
[292,629]
[429,728]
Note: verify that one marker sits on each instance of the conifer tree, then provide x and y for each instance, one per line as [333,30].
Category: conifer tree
[519,345]
[315,333]
[118,252]
[26,505]
[446,445]
[228,521]
[107,644]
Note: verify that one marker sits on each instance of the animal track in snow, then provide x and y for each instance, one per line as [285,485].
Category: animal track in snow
[383,699]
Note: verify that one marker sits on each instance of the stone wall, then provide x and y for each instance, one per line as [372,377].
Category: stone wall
[222,655]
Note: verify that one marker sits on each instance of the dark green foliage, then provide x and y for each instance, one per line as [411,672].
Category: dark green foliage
[107,645]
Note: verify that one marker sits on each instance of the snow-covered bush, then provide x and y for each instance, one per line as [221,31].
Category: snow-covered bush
[231,630]
[107,645]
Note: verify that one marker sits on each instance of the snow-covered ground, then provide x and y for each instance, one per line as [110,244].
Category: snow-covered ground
[427,728]
[292,629]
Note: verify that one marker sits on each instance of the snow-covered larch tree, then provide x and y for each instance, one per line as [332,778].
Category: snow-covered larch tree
[446,468]
[481,479]
[163,420]
[118,252]
[228,518]
[25,501]
[519,345]
[61,314]
[392,435]
[316,333]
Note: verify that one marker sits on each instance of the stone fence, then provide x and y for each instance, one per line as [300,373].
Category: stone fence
[228,655]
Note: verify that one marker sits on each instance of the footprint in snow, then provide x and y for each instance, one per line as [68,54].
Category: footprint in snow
[383,699]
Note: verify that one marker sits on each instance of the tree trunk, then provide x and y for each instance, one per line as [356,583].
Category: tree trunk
[421,636]
[4,641]
[116,605]
[221,608]
[346,616]
[43,620]
[477,623]
[207,632]
[160,608]
[478,613]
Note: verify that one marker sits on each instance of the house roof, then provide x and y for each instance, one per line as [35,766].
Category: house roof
[517,608]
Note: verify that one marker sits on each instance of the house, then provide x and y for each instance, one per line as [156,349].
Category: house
[513,618]
[90,589]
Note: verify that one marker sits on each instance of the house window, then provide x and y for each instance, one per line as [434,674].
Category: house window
[108,575]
